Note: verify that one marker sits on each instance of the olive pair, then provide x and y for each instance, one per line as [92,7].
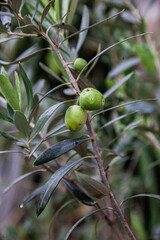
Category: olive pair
[90,99]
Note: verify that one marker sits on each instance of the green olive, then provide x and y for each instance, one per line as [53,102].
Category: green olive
[75,118]
[91,99]
[79,64]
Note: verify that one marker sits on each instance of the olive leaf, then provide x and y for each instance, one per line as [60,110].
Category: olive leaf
[5,117]
[18,86]
[9,137]
[43,119]
[78,193]
[82,35]
[46,10]
[117,85]
[21,123]
[53,182]
[94,188]
[58,149]
[22,59]
[31,196]
[8,92]
[28,88]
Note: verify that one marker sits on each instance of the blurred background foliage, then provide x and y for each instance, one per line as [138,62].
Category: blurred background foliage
[134,166]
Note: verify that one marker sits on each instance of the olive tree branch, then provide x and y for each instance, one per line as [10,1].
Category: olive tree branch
[93,139]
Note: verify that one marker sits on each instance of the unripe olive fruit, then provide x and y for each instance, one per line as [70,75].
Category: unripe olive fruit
[75,117]
[91,99]
[79,64]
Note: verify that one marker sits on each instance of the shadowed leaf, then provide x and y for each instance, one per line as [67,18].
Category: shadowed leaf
[93,187]
[78,193]
[34,194]
[52,183]
[58,149]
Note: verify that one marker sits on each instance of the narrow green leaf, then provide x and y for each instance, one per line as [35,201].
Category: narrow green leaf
[82,219]
[46,10]
[34,194]
[18,86]
[147,58]
[21,178]
[53,182]
[73,6]
[116,119]
[10,111]
[78,193]
[43,119]
[141,195]
[22,59]
[94,188]
[4,73]
[21,123]
[82,35]
[5,117]
[123,66]
[64,7]
[58,149]
[9,137]
[8,92]
[117,85]
[60,66]
[57,9]
[28,88]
